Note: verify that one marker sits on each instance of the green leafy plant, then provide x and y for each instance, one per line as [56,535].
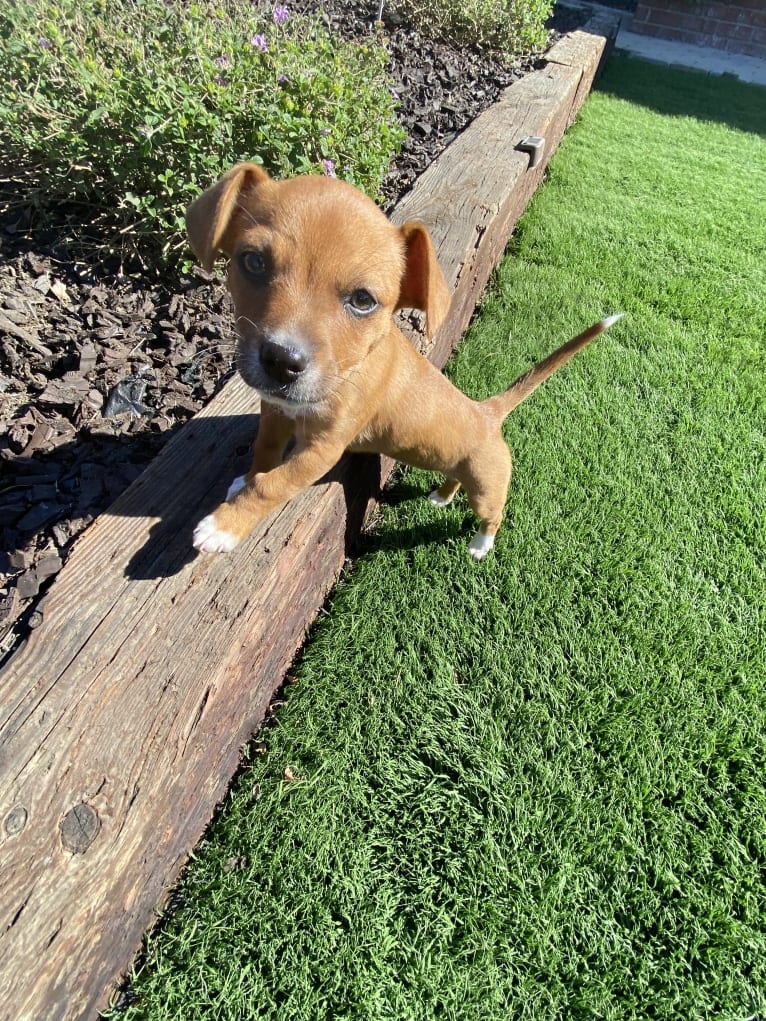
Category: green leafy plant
[122,113]
[505,27]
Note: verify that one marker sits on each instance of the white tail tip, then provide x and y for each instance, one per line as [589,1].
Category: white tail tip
[611,320]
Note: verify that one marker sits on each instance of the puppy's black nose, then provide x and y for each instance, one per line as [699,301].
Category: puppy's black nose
[283,364]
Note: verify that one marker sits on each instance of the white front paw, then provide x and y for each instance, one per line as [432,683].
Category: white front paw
[208,538]
[236,487]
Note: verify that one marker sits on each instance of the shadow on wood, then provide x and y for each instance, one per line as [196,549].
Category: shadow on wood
[219,448]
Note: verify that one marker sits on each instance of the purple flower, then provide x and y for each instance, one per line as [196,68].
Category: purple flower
[45,44]
[259,42]
[329,168]
[280,14]
[222,81]
[223,61]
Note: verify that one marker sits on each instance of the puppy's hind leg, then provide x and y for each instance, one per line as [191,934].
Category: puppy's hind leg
[487,496]
[444,495]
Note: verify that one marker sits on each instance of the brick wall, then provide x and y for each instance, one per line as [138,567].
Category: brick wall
[738,26]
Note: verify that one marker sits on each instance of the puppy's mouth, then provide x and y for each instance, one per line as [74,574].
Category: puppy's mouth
[299,395]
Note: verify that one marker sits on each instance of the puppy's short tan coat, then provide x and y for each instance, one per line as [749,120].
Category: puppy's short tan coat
[315,272]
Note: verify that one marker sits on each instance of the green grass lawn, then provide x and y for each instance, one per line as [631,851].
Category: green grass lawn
[535,788]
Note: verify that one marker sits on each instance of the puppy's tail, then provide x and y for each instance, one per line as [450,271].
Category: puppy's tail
[504,403]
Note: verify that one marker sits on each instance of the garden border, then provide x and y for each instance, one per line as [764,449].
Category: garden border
[123,717]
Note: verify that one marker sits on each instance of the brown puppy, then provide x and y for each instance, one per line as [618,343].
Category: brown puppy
[316,271]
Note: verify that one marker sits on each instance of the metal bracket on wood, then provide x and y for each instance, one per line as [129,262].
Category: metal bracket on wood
[535,146]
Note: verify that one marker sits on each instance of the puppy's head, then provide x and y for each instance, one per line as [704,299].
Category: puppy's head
[315,271]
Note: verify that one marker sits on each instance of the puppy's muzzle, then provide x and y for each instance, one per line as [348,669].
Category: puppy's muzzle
[282,363]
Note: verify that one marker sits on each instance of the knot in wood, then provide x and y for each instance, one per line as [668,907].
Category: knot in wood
[15,821]
[79,828]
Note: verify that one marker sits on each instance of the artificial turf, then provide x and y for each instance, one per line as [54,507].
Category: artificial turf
[535,787]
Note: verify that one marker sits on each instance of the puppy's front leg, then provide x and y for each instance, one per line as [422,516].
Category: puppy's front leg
[220,531]
[274,432]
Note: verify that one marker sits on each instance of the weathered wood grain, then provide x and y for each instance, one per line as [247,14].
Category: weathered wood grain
[122,720]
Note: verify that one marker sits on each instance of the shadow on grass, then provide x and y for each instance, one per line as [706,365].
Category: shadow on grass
[437,533]
[679,92]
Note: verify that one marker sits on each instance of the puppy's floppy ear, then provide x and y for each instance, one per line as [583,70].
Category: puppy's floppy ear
[423,285]
[208,217]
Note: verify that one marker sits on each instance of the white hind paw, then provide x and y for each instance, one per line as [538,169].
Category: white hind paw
[480,545]
[439,500]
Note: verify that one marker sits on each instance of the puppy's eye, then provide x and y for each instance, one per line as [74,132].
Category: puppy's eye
[253,263]
[361,302]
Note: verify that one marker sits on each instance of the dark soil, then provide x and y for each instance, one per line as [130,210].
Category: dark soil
[99,366]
